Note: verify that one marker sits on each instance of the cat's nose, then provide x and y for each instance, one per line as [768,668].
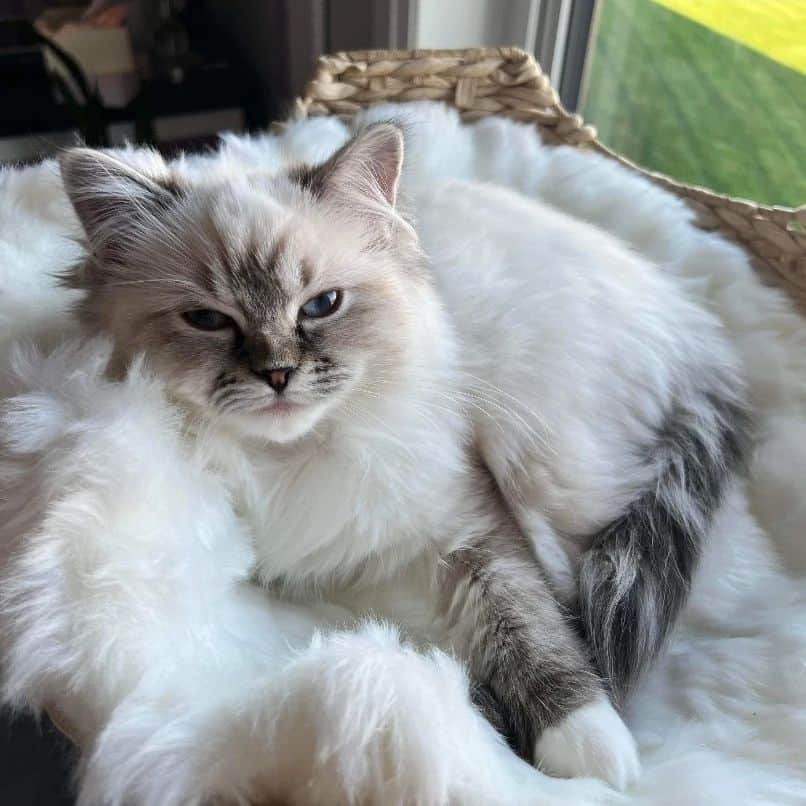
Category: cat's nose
[277,377]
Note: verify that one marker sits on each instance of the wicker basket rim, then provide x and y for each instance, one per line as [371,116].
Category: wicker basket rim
[326,62]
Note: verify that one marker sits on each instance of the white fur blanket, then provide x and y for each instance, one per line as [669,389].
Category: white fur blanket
[125,600]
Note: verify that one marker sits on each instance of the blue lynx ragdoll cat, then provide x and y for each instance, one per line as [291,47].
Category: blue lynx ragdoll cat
[500,406]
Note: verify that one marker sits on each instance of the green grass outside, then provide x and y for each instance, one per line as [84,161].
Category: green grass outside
[679,98]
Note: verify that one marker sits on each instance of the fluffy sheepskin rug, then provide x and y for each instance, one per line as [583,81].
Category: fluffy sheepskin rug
[126,604]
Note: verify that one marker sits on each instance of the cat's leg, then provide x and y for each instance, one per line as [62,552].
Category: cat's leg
[627,566]
[529,669]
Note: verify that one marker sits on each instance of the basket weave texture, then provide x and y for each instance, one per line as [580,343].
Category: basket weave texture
[507,81]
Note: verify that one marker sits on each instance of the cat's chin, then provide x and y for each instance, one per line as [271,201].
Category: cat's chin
[279,423]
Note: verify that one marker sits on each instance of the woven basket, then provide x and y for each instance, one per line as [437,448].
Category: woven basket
[508,82]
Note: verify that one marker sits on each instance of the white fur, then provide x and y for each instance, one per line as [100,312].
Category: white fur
[590,741]
[720,718]
[570,350]
[575,349]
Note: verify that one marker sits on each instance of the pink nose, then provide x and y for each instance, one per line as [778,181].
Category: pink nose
[278,377]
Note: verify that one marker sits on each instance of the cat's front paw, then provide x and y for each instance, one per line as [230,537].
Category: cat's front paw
[592,741]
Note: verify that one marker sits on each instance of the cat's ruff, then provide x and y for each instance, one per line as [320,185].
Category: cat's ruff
[177,733]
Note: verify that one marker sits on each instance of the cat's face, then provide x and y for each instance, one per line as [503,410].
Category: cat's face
[267,302]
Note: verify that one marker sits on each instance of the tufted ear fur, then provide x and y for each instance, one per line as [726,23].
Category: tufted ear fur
[362,175]
[114,201]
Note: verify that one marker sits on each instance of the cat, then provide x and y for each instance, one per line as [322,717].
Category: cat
[503,408]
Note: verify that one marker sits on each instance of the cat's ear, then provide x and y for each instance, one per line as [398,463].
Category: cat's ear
[114,201]
[365,172]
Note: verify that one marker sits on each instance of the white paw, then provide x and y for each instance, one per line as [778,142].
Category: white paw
[591,742]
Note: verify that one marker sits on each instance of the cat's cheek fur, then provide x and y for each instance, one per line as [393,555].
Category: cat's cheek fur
[591,742]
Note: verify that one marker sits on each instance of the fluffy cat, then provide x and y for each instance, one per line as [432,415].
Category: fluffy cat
[503,408]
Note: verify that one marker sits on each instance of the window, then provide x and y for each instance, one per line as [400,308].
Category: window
[710,93]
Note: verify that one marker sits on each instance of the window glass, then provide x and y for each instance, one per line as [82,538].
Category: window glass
[710,92]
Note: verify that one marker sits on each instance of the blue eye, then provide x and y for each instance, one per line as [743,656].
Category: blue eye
[204,319]
[323,305]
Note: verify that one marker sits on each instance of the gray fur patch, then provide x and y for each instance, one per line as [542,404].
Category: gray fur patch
[528,667]
[636,576]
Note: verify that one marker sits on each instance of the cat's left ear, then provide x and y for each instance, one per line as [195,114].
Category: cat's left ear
[364,173]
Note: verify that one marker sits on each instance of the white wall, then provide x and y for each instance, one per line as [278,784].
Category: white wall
[470,23]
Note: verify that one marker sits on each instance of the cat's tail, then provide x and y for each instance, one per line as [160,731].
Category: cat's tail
[636,575]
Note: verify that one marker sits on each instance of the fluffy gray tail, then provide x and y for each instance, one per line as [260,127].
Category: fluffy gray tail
[636,575]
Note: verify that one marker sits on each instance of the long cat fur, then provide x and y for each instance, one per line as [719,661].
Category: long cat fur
[508,405]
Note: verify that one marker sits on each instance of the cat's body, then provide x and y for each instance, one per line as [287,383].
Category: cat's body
[577,354]
[526,378]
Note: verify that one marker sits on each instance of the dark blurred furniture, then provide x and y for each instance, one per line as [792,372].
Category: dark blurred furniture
[36,763]
[33,101]
[206,88]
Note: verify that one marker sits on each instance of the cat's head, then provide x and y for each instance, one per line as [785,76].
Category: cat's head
[267,301]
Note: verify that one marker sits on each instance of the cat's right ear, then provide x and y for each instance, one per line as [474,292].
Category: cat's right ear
[113,200]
